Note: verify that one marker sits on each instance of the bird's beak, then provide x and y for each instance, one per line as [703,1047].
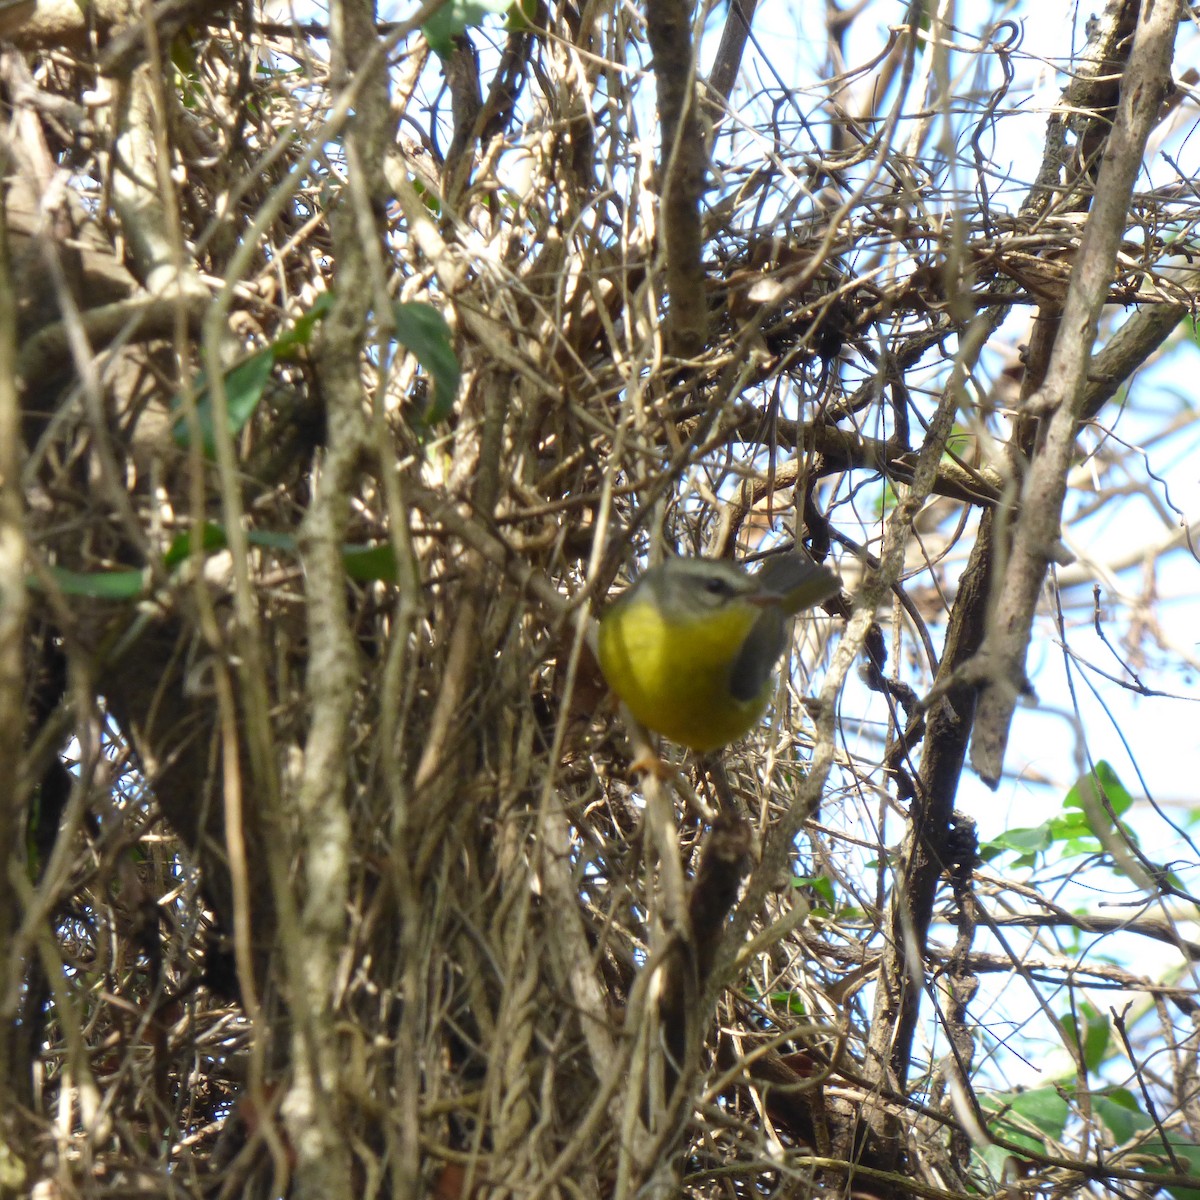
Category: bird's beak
[764,599]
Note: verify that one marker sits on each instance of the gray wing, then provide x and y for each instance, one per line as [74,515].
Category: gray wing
[758,655]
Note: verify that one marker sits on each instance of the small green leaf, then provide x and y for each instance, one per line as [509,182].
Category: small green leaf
[1022,1118]
[959,442]
[1094,1039]
[1119,1110]
[789,1001]
[365,564]
[1070,833]
[98,585]
[244,387]
[273,541]
[520,16]
[1098,783]
[1187,1154]
[187,72]
[1040,837]
[821,887]
[301,332]
[212,539]
[995,1158]
[1024,841]
[428,197]
[368,564]
[1044,1107]
[423,330]
[1070,825]
[455,17]
[1121,1113]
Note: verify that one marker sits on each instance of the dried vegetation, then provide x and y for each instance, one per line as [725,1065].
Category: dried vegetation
[328,876]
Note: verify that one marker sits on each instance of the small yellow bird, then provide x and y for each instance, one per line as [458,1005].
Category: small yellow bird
[691,647]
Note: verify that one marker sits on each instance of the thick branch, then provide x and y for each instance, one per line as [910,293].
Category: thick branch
[682,172]
[733,44]
[924,855]
[1147,79]
[712,896]
[141,189]
[14,603]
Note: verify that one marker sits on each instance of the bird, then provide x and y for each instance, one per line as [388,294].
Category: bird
[691,645]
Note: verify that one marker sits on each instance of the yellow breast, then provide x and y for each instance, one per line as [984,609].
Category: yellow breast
[675,676]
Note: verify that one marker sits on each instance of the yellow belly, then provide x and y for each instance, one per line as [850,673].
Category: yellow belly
[675,678]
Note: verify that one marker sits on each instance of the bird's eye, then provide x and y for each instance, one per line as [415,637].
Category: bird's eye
[716,586]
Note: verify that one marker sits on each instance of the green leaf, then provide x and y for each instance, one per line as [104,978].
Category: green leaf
[455,17]
[1071,833]
[820,885]
[1101,800]
[1070,825]
[1074,830]
[187,73]
[1119,1110]
[1045,1108]
[98,585]
[301,332]
[429,198]
[212,539]
[366,564]
[1030,1119]
[129,583]
[790,1001]
[1025,841]
[1188,1156]
[1102,782]
[959,442]
[423,330]
[1027,844]
[273,541]
[1095,1036]
[520,16]
[244,387]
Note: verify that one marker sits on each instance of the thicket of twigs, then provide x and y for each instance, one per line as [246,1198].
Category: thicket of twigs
[345,368]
